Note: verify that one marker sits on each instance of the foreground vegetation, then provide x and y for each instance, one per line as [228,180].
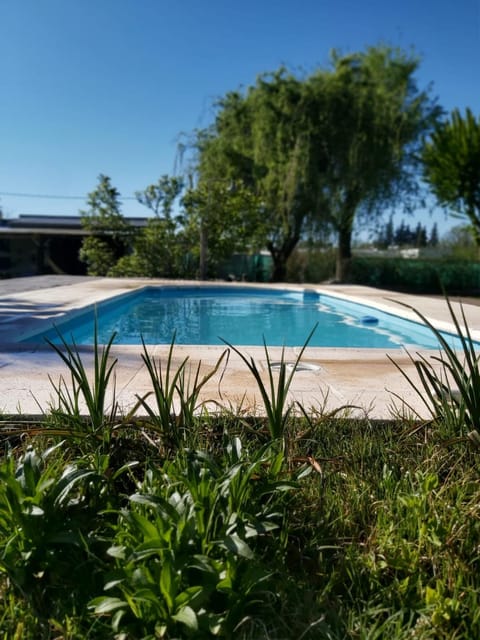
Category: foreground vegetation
[181,524]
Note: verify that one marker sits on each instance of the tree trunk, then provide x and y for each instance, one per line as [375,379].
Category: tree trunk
[203,251]
[279,272]
[280,255]
[344,255]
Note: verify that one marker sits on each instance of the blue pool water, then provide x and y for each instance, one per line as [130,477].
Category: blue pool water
[242,316]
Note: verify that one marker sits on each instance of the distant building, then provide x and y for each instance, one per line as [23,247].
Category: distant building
[36,244]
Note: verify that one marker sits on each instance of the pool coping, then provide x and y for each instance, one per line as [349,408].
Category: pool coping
[366,379]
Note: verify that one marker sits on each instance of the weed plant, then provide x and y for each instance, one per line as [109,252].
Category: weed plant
[176,396]
[357,530]
[275,393]
[85,391]
[450,381]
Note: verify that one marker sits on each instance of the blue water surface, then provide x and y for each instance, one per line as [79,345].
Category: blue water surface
[208,315]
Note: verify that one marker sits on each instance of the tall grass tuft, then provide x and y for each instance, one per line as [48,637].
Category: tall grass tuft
[92,390]
[450,381]
[176,392]
[275,392]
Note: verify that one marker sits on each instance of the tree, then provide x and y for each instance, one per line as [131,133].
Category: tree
[160,197]
[459,243]
[157,250]
[376,119]
[319,151]
[109,234]
[404,236]
[221,216]
[420,236]
[433,239]
[386,234]
[452,167]
[389,231]
[264,140]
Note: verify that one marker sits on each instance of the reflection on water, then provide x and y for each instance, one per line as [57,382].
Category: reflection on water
[243,317]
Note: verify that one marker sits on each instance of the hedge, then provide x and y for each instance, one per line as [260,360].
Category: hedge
[416,275]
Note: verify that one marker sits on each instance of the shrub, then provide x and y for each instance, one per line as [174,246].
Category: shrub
[311,265]
[417,276]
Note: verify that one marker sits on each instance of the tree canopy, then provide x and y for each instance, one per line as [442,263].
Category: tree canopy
[159,250]
[221,215]
[319,150]
[452,167]
[109,233]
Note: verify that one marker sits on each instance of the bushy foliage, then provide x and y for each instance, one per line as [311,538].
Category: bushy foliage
[360,522]
[311,265]
[160,250]
[109,233]
[451,160]
[320,150]
[163,248]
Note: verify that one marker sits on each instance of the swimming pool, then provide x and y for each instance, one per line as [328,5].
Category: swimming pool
[207,315]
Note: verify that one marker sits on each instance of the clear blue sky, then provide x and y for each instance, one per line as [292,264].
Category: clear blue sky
[107,86]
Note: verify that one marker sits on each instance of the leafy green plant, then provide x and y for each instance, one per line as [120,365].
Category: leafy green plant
[450,381]
[50,529]
[189,552]
[275,392]
[175,391]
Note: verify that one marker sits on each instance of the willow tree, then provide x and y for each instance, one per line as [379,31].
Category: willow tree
[320,150]
[452,167]
[375,119]
[265,140]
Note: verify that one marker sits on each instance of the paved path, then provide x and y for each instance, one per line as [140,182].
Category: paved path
[34,283]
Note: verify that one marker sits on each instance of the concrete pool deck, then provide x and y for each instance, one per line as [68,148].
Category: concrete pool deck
[365,380]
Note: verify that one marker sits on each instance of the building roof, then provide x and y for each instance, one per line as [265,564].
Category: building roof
[40,225]
[28,221]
